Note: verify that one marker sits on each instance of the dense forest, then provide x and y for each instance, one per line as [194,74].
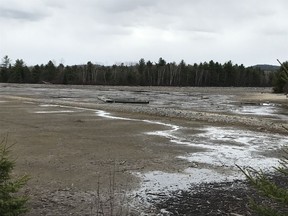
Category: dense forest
[144,73]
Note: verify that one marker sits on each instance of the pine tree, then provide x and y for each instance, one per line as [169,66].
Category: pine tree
[11,203]
[278,195]
[280,82]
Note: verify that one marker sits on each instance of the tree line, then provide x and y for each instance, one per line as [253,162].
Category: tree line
[143,73]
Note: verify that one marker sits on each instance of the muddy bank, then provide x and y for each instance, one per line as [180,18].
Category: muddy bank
[225,198]
[72,143]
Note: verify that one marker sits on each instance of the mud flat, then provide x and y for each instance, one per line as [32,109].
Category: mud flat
[81,152]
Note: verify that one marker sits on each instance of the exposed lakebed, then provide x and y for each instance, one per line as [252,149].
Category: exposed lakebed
[222,149]
[184,137]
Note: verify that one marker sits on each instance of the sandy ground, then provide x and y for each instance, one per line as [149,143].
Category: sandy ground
[69,151]
[78,159]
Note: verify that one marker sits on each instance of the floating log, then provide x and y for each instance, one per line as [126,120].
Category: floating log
[123,100]
[129,100]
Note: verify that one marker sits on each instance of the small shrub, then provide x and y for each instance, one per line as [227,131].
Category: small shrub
[11,203]
[276,193]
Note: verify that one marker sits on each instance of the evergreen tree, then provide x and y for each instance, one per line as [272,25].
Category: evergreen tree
[6,62]
[49,72]
[141,71]
[183,70]
[11,204]
[229,73]
[70,75]
[35,74]
[280,81]
[278,195]
[5,69]
[19,73]
[4,74]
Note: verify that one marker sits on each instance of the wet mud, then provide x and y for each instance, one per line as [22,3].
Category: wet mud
[73,144]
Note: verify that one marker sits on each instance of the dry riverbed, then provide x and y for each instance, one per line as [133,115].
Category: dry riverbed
[85,156]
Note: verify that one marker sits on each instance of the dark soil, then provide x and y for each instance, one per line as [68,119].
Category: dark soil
[227,198]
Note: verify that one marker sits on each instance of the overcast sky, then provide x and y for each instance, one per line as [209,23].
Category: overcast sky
[112,31]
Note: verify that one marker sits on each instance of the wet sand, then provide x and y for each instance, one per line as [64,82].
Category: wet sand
[71,150]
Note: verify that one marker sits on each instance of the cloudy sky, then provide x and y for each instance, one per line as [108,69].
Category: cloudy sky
[113,31]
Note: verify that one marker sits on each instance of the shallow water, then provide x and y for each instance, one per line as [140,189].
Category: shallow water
[158,182]
[226,142]
[264,109]
[223,148]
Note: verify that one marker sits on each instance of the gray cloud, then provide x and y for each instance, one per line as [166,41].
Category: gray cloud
[186,15]
[124,6]
[6,13]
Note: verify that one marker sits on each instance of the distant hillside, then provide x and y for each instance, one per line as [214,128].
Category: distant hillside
[267,67]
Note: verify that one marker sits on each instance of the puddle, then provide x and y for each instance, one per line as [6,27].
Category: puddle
[164,133]
[158,182]
[104,114]
[49,105]
[264,109]
[223,148]
[257,110]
